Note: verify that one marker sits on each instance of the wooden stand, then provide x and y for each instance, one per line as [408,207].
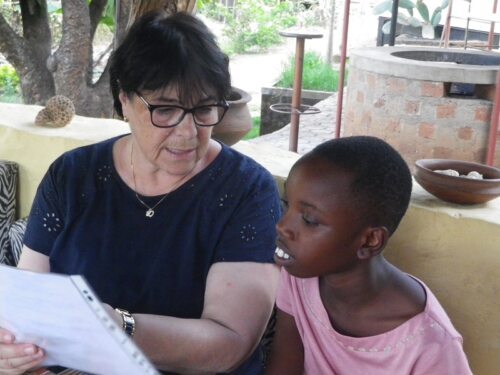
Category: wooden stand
[296,109]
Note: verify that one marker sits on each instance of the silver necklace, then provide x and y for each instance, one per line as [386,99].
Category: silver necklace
[150,210]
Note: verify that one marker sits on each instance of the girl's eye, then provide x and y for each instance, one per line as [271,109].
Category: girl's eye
[309,222]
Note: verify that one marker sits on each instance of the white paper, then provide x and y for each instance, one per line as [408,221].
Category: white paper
[62,315]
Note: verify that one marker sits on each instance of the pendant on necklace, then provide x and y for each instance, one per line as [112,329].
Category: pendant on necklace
[150,213]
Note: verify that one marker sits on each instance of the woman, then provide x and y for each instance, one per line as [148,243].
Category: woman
[166,224]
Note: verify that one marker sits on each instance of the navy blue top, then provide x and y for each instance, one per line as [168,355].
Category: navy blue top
[89,222]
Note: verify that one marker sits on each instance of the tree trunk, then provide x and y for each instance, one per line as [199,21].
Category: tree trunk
[68,71]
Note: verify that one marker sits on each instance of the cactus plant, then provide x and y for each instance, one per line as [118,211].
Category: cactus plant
[407,15]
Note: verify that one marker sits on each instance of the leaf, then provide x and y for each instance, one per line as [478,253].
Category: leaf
[407,4]
[436,17]
[444,4]
[427,31]
[384,6]
[423,10]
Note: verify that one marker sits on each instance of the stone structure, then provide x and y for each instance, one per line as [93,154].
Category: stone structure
[427,103]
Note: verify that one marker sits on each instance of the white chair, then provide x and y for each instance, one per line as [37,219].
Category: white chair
[479,12]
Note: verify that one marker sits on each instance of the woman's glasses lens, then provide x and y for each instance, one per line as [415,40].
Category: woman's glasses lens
[207,115]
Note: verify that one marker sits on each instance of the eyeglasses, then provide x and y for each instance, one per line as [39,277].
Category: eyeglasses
[168,116]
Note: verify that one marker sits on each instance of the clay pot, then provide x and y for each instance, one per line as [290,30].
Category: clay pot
[237,121]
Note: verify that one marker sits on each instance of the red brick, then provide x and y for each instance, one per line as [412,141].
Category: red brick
[482,114]
[433,89]
[446,110]
[465,133]
[426,130]
[413,107]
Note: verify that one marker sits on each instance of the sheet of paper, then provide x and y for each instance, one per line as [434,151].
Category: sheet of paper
[62,315]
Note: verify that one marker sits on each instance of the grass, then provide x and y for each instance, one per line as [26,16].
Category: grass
[255,131]
[317,75]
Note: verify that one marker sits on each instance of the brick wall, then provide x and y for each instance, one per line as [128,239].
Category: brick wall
[418,118]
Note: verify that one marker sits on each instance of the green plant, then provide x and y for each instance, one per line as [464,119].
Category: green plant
[251,24]
[316,74]
[255,131]
[9,84]
[428,21]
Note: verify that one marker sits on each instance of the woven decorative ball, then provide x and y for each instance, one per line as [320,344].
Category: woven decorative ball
[57,113]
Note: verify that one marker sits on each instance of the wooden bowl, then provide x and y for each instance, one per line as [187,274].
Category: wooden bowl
[461,190]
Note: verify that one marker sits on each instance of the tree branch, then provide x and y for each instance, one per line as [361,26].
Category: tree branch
[74,51]
[96,9]
[11,44]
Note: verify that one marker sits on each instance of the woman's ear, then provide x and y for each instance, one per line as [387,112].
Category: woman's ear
[125,101]
[123,97]
[374,242]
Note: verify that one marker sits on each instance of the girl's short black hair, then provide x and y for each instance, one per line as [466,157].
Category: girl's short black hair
[161,50]
[381,180]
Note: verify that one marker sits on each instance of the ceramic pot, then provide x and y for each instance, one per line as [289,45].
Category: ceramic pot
[237,121]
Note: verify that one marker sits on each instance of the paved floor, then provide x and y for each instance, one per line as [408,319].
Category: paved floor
[313,129]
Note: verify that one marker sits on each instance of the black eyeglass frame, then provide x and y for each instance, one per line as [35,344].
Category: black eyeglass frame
[151,107]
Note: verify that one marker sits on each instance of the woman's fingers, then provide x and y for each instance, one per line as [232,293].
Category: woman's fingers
[18,358]
[5,336]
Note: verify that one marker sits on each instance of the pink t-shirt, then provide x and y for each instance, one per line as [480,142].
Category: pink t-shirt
[425,344]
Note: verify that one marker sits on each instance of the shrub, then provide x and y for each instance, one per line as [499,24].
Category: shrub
[316,74]
[9,83]
[255,131]
[252,24]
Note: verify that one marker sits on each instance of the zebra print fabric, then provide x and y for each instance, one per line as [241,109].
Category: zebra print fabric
[16,235]
[8,181]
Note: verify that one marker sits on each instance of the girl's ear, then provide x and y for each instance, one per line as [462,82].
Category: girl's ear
[374,242]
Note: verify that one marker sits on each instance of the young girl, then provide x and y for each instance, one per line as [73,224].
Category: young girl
[342,307]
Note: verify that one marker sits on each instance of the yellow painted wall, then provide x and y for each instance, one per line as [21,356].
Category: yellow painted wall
[454,249]
[459,259]
[35,148]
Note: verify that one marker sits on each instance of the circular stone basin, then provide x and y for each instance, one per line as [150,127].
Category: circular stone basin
[430,64]
[448,56]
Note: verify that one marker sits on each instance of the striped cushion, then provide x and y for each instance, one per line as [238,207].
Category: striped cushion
[16,234]
[8,181]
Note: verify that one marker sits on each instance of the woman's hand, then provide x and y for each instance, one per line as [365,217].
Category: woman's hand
[17,358]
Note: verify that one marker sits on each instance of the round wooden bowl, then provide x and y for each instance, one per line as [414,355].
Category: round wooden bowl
[461,190]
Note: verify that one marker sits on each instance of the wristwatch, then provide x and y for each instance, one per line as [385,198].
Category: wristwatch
[128,321]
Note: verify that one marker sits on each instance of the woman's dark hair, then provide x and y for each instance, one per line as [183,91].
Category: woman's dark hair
[381,180]
[161,50]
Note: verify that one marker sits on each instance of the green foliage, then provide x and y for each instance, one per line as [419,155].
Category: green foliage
[9,80]
[9,85]
[255,131]
[252,25]
[317,75]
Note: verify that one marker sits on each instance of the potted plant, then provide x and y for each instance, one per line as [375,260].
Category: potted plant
[407,16]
